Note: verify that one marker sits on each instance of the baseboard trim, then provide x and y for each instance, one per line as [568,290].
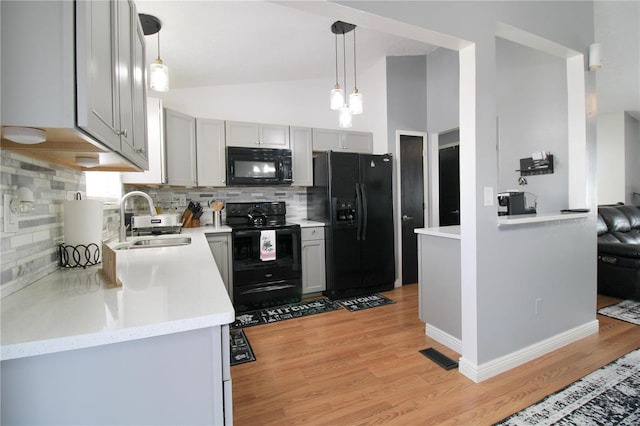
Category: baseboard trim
[478,373]
[445,338]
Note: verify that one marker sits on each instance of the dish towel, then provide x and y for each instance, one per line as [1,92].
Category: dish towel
[267,245]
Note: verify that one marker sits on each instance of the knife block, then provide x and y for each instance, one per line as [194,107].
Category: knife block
[188,221]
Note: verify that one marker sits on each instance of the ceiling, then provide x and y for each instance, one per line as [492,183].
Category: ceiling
[209,43]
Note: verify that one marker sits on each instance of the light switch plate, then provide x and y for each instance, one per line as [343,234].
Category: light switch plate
[10,218]
[488,196]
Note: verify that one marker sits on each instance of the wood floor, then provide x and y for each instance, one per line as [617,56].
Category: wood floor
[343,368]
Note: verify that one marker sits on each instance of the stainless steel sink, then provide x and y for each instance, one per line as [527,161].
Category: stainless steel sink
[155,242]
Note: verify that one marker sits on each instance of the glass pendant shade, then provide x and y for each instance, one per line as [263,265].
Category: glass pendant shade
[355,102]
[337,98]
[159,76]
[345,118]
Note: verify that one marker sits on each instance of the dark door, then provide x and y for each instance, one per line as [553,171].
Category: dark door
[411,203]
[376,244]
[449,175]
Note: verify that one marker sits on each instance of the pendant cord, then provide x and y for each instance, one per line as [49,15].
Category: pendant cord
[158,44]
[344,64]
[355,74]
[336,59]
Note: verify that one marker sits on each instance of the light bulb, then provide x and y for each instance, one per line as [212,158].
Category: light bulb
[159,76]
[337,98]
[345,118]
[355,102]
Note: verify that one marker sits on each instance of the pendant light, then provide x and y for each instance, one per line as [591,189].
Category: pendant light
[337,95]
[355,98]
[158,71]
[345,119]
[338,101]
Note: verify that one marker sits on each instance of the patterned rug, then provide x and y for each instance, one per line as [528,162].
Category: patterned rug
[241,351]
[284,312]
[627,310]
[353,304]
[608,396]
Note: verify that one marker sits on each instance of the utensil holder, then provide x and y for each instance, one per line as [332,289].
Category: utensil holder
[217,219]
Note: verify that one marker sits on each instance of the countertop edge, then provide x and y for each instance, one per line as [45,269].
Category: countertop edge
[451,232]
[83,341]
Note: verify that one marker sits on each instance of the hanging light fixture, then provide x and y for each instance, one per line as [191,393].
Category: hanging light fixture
[337,95]
[158,71]
[338,101]
[355,98]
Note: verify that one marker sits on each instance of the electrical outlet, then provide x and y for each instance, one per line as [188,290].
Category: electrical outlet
[181,200]
[10,218]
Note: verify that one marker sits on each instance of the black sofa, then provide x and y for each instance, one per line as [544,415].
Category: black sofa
[619,251]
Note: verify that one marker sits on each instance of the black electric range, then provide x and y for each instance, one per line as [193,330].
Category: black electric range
[267,267]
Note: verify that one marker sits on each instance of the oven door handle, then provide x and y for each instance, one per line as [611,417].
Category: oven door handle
[267,288]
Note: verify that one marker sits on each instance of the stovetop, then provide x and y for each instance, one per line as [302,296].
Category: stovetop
[258,215]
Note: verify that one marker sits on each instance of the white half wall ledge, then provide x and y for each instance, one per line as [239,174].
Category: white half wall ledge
[479,373]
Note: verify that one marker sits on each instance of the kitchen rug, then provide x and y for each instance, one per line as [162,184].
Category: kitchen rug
[284,312]
[627,310]
[608,396]
[241,351]
[353,304]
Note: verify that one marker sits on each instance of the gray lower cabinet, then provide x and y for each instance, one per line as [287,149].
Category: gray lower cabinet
[177,378]
[313,261]
[220,245]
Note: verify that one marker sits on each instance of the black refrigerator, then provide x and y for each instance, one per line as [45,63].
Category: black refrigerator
[352,195]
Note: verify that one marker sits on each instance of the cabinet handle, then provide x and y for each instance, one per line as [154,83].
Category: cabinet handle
[140,150]
[122,132]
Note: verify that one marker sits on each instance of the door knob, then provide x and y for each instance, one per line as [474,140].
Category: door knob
[405,218]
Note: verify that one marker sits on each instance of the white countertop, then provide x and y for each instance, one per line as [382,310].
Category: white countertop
[452,232]
[539,218]
[165,290]
[306,223]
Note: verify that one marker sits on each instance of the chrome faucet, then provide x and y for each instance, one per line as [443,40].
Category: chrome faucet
[152,210]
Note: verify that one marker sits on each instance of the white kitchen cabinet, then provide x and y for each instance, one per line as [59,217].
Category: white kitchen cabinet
[220,245]
[257,135]
[77,77]
[313,260]
[155,129]
[341,140]
[210,152]
[180,143]
[302,152]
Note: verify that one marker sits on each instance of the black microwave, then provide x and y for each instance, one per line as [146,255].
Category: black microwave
[259,166]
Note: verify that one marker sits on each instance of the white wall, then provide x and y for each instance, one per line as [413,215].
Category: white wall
[632,160]
[296,103]
[611,164]
[500,267]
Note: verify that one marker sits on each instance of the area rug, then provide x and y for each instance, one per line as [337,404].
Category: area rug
[353,304]
[284,312]
[241,351]
[627,310]
[608,396]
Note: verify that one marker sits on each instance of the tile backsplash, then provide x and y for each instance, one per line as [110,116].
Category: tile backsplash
[171,199]
[32,251]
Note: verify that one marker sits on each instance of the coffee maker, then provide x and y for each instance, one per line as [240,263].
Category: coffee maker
[516,202]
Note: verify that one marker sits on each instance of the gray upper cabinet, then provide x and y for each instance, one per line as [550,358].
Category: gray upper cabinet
[301,147]
[110,64]
[80,77]
[180,141]
[341,140]
[257,135]
[211,155]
